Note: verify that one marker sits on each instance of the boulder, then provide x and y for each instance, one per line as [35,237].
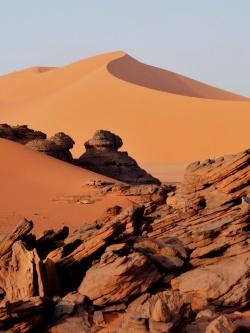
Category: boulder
[102,156]
[225,285]
[117,278]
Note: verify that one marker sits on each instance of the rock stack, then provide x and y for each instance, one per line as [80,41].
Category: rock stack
[102,156]
[57,146]
[182,268]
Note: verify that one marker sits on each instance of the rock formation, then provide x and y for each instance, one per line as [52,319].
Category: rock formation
[102,156]
[57,146]
[21,134]
[178,261]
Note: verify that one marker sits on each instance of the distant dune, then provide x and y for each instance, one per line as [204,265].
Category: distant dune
[128,69]
[46,190]
[162,117]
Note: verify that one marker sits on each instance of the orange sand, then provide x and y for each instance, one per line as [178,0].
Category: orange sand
[46,190]
[162,117]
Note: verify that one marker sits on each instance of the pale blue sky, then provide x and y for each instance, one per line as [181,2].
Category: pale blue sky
[208,40]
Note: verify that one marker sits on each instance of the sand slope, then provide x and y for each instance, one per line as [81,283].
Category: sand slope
[46,190]
[162,117]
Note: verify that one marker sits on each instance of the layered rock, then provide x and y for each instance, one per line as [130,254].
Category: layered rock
[102,156]
[180,265]
[224,285]
[21,133]
[211,221]
[212,183]
[57,146]
[117,278]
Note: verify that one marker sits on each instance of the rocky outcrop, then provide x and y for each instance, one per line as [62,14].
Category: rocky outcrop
[217,227]
[57,146]
[179,264]
[102,156]
[220,284]
[20,133]
[212,183]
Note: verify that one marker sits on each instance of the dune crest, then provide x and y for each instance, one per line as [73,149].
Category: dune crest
[129,69]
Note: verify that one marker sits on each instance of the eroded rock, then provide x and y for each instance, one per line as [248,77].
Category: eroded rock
[102,156]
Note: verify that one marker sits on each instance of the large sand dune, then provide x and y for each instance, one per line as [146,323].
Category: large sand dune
[46,190]
[162,117]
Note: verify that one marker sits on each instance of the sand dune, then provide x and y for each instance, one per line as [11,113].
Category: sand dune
[162,117]
[46,190]
[128,69]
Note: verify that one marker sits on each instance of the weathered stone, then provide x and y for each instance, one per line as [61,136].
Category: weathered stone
[221,325]
[20,133]
[212,183]
[57,146]
[102,156]
[224,285]
[116,279]
[21,276]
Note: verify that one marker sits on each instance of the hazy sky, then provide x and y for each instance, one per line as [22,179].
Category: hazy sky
[208,40]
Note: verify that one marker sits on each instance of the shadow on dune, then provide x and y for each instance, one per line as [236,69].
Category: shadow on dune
[128,69]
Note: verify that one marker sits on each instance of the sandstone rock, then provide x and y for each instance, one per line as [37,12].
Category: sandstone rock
[20,231]
[224,285]
[167,253]
[98,319]
[162,312]
[57,146]
[116,279]
[168,307]
[77,322]
[133,323]
[212,183]
[221,325]
[63,308]
[114,308]
[74,297]
[24,315]
[211,235]
[21,133]
[102,156]
[128,221]
[21,275]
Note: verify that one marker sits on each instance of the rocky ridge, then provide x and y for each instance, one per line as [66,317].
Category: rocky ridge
[177,260]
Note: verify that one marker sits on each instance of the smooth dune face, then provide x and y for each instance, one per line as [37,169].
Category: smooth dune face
[162,117]
[133,71]
[46,191]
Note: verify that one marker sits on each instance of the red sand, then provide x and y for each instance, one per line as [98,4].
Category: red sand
[46,190]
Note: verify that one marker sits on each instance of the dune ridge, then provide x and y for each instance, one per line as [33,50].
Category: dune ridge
[129,69]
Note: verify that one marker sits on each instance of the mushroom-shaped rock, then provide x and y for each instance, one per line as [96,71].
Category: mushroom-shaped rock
[102,156]
[104,141]
[56,146]
[63,140]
